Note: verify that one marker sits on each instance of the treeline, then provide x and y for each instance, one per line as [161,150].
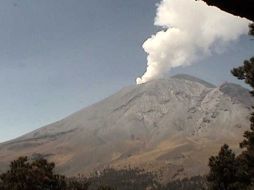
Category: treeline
[139,179]
[25,174]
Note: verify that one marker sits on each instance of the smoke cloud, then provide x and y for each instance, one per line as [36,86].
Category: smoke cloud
[190,31]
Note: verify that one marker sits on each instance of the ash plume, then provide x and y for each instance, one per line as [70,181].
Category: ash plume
[191,30]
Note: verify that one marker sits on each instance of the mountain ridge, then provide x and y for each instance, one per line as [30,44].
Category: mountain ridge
[171,124]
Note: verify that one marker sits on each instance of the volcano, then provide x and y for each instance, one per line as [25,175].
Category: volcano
[170,126]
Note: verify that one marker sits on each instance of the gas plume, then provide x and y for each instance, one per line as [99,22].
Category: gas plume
[191,30]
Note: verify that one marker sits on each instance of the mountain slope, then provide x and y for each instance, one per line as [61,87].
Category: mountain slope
[170,126]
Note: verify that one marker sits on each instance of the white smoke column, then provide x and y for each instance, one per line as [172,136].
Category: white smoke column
[191,30]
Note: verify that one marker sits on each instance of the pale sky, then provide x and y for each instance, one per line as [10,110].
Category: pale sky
[60,56]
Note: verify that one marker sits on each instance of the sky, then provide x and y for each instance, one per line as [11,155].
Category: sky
[57,57]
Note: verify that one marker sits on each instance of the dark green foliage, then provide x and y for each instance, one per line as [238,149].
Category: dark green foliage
[36,175]
[247,155]
[194,183]
[225,171]
[78,183]
[137,179]
[246,73]
[125,179]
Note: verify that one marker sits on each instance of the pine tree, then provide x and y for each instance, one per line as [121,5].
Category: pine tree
[223,170]
[246,73]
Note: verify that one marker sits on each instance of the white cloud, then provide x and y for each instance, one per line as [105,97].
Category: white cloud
[191,30]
